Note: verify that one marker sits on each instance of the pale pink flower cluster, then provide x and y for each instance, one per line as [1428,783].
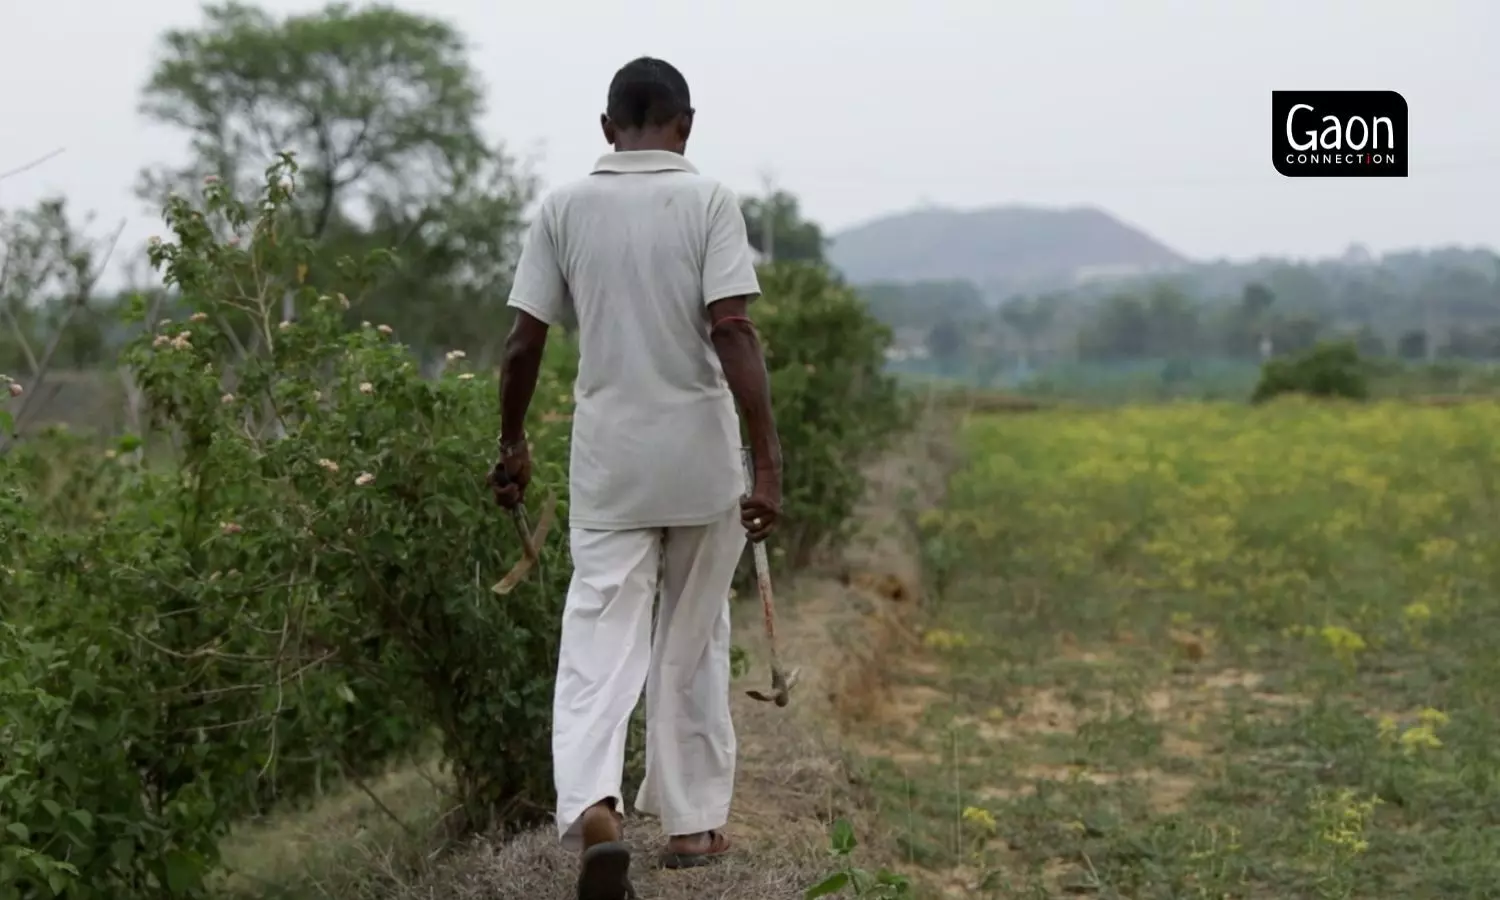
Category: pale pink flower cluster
[182,341]
[367,388]
[230,527]
[385,330]
[365,478]
[329,464]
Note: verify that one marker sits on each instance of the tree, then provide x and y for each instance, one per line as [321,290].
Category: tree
[1120,330]
[1368,342]
[49,266]
[945,340]
[917,304]
[1029,318]
[1249,326]
[1174,322]
[1295,334]
[381,109]
[791,237]
[1256,300]
[1412,345]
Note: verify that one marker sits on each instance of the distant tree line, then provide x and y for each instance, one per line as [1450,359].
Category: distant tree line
[1439,305]
[1412,306]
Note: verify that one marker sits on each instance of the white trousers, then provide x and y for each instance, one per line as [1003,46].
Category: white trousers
[609,652]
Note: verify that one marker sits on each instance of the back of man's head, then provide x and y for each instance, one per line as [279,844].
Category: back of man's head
[647,93]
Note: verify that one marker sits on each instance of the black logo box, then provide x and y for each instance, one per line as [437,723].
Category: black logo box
[1339,134]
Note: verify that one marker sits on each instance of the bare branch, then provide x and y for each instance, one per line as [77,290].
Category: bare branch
[26,167]
[305,667]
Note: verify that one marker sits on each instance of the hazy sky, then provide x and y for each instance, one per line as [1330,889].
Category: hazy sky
[1155,110]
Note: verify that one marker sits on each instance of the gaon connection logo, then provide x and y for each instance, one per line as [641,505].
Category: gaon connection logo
[1338,134]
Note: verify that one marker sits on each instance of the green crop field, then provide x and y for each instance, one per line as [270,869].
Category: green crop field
[1208,651]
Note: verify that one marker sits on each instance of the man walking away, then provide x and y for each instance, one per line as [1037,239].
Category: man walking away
[653,260]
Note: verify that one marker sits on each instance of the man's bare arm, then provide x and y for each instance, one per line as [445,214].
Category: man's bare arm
[518,374]
[744,365]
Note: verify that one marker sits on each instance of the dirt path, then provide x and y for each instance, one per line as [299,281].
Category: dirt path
[838,624]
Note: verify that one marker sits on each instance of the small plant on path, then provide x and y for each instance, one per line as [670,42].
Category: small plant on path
[882,885]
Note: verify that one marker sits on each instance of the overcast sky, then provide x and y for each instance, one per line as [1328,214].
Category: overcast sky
[1156,110]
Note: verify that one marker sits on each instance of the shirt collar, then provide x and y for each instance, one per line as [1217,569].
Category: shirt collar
[642,161]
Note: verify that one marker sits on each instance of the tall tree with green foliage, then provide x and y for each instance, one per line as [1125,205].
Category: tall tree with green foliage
[1029,318]
[381,108]
[776,221]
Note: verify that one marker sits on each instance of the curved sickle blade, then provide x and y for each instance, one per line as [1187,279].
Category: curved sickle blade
[531,544]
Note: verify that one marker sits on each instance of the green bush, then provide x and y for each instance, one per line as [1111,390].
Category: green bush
[1330,369]
[835,405]
[306,578]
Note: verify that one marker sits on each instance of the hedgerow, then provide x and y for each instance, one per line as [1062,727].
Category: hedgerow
[835,406]
[290,583]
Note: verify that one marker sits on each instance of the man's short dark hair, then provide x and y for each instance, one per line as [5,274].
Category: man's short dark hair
[647,92]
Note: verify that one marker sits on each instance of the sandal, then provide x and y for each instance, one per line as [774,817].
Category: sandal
[604,868]
[718,845]
[605,873]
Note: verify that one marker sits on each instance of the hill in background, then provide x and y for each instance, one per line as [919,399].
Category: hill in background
[1001,249]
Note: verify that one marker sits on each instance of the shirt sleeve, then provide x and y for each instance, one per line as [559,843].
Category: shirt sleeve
[539,287]
[728,261]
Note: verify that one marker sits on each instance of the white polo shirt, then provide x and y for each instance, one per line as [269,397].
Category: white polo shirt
[637,250]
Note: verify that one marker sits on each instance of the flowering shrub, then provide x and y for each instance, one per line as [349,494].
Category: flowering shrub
[304,583]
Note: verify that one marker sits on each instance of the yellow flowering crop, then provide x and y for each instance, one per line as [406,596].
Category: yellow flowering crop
[1355,525]
[1216,626]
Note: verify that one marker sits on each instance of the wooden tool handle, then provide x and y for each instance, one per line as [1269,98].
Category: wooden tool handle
[762,570]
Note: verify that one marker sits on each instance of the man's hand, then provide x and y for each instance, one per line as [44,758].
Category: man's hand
[760,511]
[510,476]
